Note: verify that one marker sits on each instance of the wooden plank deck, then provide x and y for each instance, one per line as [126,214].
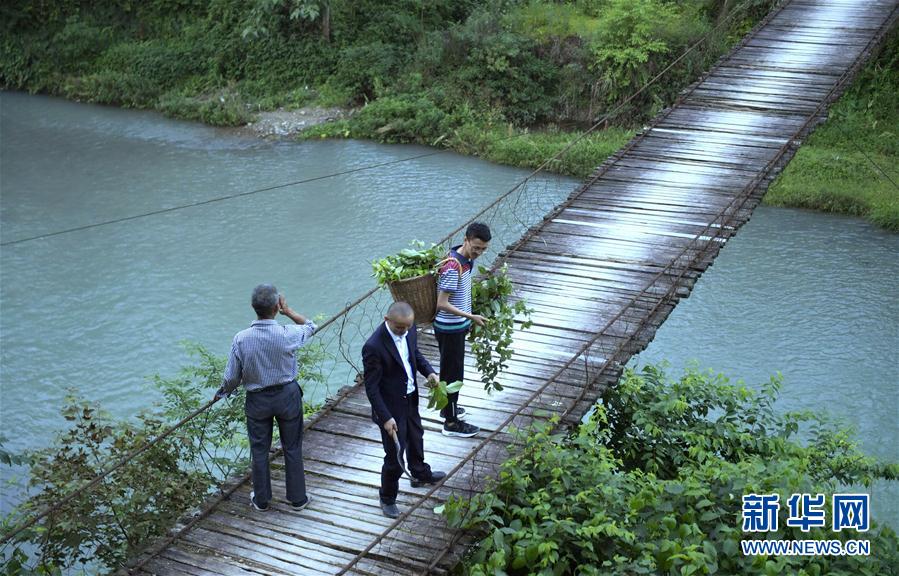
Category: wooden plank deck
[602,272]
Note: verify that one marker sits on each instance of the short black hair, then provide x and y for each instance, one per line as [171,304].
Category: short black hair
[478,230]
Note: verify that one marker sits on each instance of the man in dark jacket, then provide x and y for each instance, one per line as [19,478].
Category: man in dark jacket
[390,360]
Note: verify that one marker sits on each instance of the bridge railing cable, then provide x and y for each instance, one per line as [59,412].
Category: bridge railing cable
[522,193]
[510,214]
[598,356]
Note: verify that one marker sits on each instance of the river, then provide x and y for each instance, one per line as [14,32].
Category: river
[102,309]
[814,297]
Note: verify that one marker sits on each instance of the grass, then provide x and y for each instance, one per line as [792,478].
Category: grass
[530,149]
[839,168]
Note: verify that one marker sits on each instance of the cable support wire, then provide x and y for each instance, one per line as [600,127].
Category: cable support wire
[711,232]
[216,199]
[372,315]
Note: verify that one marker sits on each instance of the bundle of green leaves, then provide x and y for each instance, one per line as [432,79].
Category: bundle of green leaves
[408,263]
[491,344]
[438,397]
[652,484]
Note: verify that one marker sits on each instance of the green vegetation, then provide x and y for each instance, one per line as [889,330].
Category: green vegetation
[438,395]
[143,499]
[491,293]
[490,77]
[831,171]
[491,344]
[652,484]
[508,80]
[409,263]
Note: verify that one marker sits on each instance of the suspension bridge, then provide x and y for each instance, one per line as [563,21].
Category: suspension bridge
[601,271]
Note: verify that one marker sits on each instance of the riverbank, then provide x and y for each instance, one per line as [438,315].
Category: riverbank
[500,80]
[511,83]
[840,168]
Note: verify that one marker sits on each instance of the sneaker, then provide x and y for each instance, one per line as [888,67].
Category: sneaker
[390,510]
[434,478]
[461,429]
[255,505]
[460,413]
[300,505]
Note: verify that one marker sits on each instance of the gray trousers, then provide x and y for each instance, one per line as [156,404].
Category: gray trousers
[285,406]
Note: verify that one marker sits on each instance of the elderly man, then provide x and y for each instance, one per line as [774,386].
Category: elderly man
[390,359]
[263,359]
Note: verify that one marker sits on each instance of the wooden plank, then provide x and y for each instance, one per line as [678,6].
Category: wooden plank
[666,206]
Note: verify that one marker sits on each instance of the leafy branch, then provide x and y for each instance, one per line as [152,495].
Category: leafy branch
[491,344]
[141,500]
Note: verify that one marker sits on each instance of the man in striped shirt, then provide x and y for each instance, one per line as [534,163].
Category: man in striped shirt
[263,359]
[454,319]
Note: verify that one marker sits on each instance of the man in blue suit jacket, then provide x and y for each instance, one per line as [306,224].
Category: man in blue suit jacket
[390,360]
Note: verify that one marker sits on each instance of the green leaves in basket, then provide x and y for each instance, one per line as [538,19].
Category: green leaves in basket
[408,263]
[438,398]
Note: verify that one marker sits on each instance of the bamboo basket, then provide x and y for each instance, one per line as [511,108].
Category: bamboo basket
[420,293]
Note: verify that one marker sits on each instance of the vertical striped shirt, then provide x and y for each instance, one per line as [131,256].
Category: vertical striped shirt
[454,277]
[265,354]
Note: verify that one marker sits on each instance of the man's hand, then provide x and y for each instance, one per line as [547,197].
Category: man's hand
[219,394]
[390,426]
[287,311]
[433,380]
[478,319]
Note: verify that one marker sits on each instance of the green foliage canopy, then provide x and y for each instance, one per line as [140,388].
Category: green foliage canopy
[652,484]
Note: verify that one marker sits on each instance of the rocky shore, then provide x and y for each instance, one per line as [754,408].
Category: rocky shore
[279,124]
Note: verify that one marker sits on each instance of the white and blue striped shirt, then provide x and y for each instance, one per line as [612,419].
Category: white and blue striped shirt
[265,355]
[454,278]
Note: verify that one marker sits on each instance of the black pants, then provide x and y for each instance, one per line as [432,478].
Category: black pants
[452,366]
[411,437]
[285,406]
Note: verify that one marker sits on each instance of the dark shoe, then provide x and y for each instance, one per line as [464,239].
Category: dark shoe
[460,429]
[435,478]
[460,413]
[390,510]
[300,505]
[260,507]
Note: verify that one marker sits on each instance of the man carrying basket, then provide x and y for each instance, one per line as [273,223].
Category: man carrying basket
[454,320]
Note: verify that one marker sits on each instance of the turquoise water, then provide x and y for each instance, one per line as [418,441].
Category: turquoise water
[810,295]
[814,297]
[102,310]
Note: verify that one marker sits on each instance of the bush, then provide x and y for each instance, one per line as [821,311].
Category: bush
[121,88]
[163,63]
[364,70]
[404,119]
[653,483]
[144,498]
[79,43]
[222,109]
[492,68]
